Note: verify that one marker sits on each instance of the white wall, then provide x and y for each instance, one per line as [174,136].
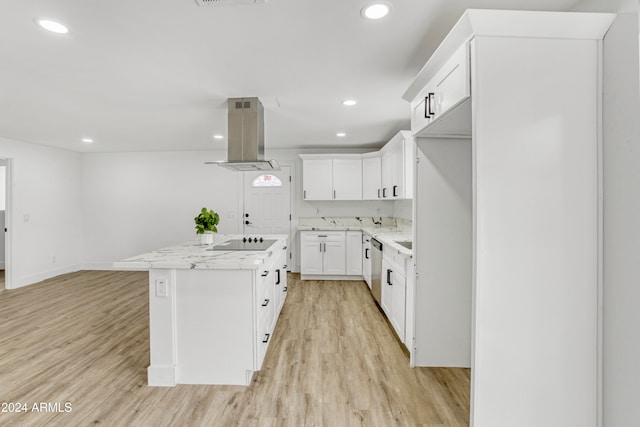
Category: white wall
[137,202]
[45,187]
[621,223]
[621,212]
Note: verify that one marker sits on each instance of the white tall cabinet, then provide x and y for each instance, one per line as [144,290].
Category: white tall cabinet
[513,232]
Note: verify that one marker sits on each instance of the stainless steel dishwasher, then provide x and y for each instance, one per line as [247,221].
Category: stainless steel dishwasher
[376,270]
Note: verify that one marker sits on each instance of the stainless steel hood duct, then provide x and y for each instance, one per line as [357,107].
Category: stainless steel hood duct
[245,141]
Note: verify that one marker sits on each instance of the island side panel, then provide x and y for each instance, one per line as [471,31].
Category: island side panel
[215,326]
[162,328]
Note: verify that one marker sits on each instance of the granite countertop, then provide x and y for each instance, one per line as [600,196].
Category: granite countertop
[193,255]
[388,235]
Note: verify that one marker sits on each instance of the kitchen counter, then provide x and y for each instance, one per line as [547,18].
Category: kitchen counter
[387,235]
[211,313]
[388,238]
[193,255]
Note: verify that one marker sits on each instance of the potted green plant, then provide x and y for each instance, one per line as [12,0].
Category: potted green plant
[206,222]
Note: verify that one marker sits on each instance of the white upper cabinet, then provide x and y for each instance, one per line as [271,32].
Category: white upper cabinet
[347,179]
[372,177]
[327,178]
[317,179]
[381,175]
[448,90]
[397,167]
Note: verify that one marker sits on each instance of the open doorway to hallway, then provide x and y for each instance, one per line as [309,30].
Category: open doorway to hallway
[3,208]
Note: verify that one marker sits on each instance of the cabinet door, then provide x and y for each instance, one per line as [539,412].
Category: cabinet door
[317,179]
[347,179]
[372,178]
[334,257]
[452,83]
[387,288]
[447,90]
[310,255]
[366,259]
[385,173]
[354,253]
[397,170]
[398,303]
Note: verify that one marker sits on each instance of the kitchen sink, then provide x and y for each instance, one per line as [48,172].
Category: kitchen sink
[408,245]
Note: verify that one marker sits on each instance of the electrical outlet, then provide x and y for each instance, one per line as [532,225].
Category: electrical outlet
[161,288]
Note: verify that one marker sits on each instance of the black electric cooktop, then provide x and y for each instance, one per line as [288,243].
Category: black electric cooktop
[244,244]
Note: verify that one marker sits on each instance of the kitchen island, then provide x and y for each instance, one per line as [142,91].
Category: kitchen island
[212,308]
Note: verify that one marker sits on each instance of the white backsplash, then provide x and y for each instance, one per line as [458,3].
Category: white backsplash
[400,224]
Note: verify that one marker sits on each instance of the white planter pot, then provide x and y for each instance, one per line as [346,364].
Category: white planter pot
[206,239]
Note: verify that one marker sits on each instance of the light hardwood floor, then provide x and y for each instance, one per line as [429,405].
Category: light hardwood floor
[83,338]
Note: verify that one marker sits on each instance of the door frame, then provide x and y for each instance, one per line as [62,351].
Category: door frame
[8,267]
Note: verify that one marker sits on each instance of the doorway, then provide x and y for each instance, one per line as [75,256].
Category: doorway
[267,203]
[4,246]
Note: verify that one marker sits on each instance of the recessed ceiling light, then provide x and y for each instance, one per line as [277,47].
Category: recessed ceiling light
[87,140]
[376,10]
[349,102]
[53,26]
[217,136]
[341,134]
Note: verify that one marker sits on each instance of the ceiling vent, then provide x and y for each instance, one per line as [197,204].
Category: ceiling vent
[227,2]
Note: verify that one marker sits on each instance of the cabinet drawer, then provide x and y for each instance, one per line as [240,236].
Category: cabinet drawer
[396,261]
[323,236]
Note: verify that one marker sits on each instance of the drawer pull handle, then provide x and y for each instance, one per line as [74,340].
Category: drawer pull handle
[285,289]
[265,274]
[266,302]
[366,253]
[266,338]
[389,277]
[277,277]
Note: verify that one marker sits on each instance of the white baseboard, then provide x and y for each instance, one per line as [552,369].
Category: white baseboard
[39,277]
[98,266]
[161,376]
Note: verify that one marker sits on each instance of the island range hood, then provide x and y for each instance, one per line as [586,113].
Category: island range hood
[245,141]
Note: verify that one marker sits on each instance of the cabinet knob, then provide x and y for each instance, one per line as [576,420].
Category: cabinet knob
[266,338]
[266,302]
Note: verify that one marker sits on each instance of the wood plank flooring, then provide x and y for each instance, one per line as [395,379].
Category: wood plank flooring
[83,338]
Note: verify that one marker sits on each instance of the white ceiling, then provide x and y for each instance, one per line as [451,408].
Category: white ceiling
[155,74]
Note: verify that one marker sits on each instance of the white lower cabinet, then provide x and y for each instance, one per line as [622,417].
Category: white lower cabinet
[366,259]
[354,253]
[322,253]
[394,287]
[332,254]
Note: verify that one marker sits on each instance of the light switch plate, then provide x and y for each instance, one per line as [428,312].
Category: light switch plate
[162,288]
